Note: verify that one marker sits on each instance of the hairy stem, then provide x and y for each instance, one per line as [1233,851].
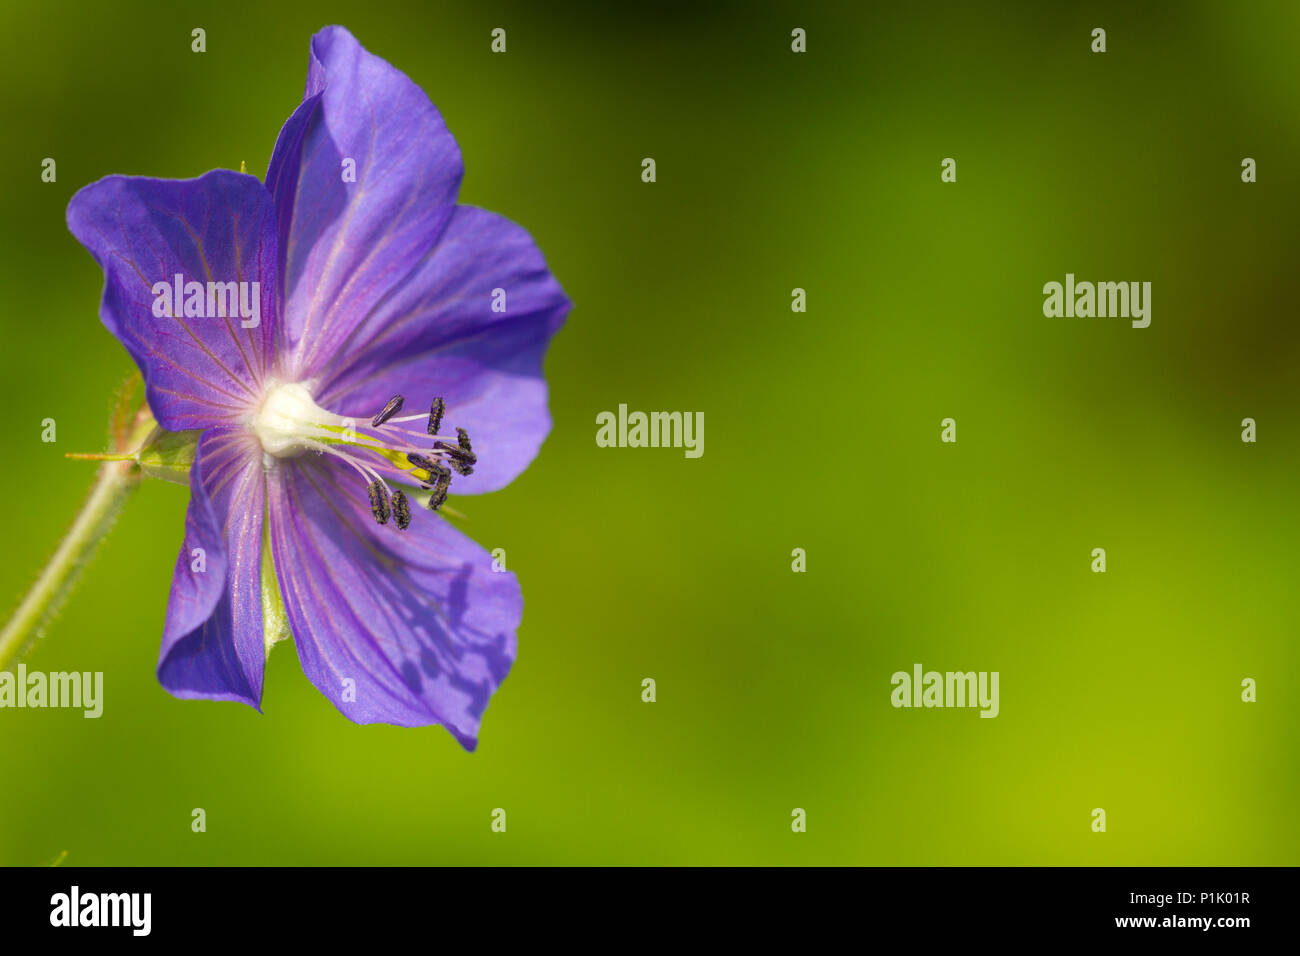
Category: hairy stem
[115,481]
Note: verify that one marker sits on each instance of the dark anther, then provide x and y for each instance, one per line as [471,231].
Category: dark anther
[457,453]
[420,461]
[439,493]
[459,456]
[437,498]
[463,437]
[392,408]
[401,510]
[379,501]
[435,415]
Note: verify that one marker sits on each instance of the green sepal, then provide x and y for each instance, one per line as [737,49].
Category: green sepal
[275,620]
[168,455]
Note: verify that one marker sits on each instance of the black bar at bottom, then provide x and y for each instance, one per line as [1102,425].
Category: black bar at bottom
[333,905]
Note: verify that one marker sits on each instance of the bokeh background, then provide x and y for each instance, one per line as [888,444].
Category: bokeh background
[775,171]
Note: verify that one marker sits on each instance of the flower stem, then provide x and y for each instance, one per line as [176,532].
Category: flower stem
[115,481]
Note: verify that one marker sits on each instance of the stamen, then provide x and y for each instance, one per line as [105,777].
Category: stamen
[391,429]
[362,469]
[379,501]
[388,453]
[462,460]
[439,494]
[436,411]
[401,510]
[392,408]
[455,452]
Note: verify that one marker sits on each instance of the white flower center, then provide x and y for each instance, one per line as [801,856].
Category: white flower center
[289,422]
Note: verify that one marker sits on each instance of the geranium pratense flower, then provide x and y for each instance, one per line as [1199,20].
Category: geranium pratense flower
[374,288]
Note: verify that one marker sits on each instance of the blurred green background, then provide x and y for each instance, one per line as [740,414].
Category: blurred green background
[775,171]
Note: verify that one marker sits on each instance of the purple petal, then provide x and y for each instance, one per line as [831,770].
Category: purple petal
[213,645]
[348,244]
[416,620]
[283,173]
[220,228]
[438,335]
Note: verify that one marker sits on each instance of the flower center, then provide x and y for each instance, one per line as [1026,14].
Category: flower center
[289,423]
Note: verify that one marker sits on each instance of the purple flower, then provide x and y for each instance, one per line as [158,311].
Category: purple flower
[304,310]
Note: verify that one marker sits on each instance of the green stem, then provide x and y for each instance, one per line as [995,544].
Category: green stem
[114,482]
